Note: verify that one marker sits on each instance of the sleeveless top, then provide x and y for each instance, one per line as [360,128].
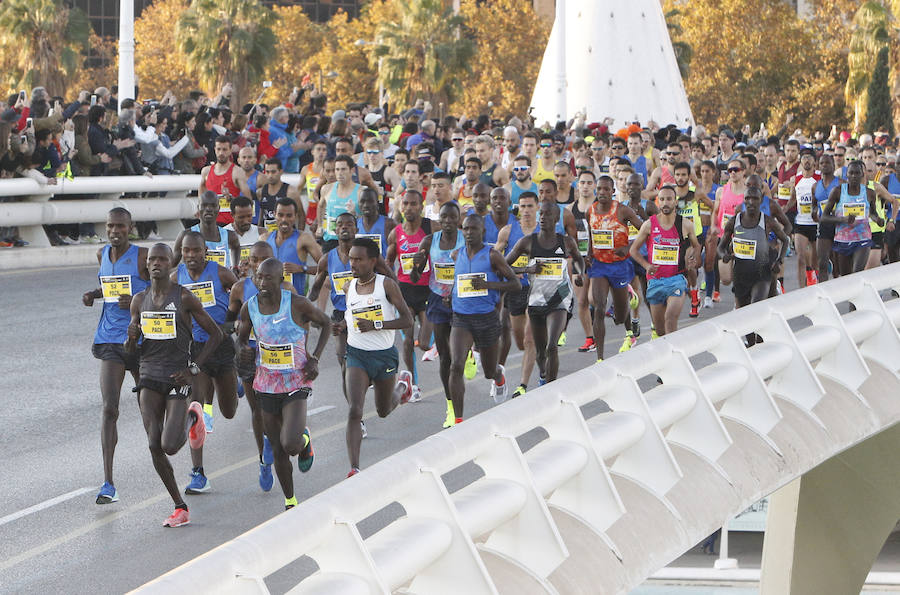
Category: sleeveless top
[246,241]
[337,205]
[122,277]
[443,266]
[218,252]
[540,172]
[487,177]
[804,190]
[688,208]
[287,252]
[250,290]
[208,289]
[581,229]
[727,206]
[516,191]
[166,344]
[474,301]
[640,167]
[385,186]
[340,274]
[215,182]
[491,230]
[375,234]
[550,284]
[407,246]
[607,233]
[821,192]
[373,306]
[267,204]
[311,180]
[880,210]
[665,248]
[750,244]
[858,205]
[281,352]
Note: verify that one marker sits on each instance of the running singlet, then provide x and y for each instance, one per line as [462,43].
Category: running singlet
[892,184]
[341,275]
[665,177]
[640,167]
[664,249]
[373,306]
[689,209]
[821,192]
[858,206]
[880,210]
[250,290]
[727,205]
[516,191]
[542,173]
[122,277]
[385,186]
[607,233]
[466,203]
[491,230]
[215,182]
[218,252]
[550,284]
[267,204]
[281,352]
[487,177]
[804,190]
[208,289]
[581,229]
[376,233]
[442,265]
[466,299]
[750,246]
[337,205]
[287,252]
[246,241]
[407,246]
[166,344]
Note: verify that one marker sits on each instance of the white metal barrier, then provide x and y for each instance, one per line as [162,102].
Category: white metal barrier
[599,503]
[37,208]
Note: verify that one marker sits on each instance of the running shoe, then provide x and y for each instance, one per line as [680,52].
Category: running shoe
[716,296]
[779,288]
[695,312]
[198,484]
[154,237]
[406,378]
[471,367]
[707,302]
[703,285]
[107,494]
[520,390]
[178,518]
[92,239]
[265,477]
[267,457]
[289,503]
[353,471]
[362,426]
[610,313]
[451,416]
[811,278]
[629,342]
[240,389]
[654,334]
[493,391]
[416,395]
[636,327]
[197,433]
[634,302]
[208,422]
[305,460]
[562,339]
[430,355]
[542,381]
[502,390]
[133,236]
[588,346]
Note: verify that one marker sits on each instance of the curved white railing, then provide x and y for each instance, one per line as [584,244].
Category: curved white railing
[598,504]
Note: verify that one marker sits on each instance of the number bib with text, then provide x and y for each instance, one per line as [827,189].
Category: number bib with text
[373,313]
[549,269]
[744,249]
[784,194]
[464,285]
[583,241]
[271,226]
[224,204]
[340,281]
[245,252]
[521,262]
[375,237]
[602,239]
[204,292]
[665,254]
[158,325]
[113,286]
[804,204]
[276,357]
[216,256]
[857,210]
[445,272]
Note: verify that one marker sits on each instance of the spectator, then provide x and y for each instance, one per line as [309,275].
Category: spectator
[192,157]
[204,134]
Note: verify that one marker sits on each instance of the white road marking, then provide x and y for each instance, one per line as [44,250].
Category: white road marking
[322,409]
[43,505]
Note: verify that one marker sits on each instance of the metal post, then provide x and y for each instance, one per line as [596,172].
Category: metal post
[724,562]
[561,108]
[380,84]
[126,50]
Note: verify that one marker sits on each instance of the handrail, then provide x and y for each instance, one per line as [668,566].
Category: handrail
[575,509]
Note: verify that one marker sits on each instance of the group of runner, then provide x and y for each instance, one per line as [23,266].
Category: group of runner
[480,254]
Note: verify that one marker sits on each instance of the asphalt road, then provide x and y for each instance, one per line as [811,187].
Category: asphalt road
[55,539]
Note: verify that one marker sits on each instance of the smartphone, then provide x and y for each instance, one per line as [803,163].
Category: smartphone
[22,95]
[28,122]
[267,84]
[93,100]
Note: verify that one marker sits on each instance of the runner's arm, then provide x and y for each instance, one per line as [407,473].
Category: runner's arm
[244,328]
[499,264]
[89,296]
[687,230]
[392,248]
[319,281]
[502,238]
[873,204]
[235,302]
[575,255]
[177,249]
[134,327]
[569,223]
[234,245]
[322,206]
[523,246]
[778,214]
[405,318]
[420,259]
[792,201]
[312,248]
[193,307]
[203,174]
[725,249]
[828,215]
[240,179]
[634,251]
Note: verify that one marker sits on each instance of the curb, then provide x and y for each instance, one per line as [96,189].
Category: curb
[54,256]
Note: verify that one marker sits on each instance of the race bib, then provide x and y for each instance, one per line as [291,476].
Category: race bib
[224,204]
[276,357]
[271,226]
[288,278]
[583,241]
[464,285]
[204,292]
[113,286]
[521,262]
[632,231]
[857,210]
[340,281]
[784,193]
[406,263]
[602,239]
[216,256]
[372,313]
[744,249]
[158,325]
[375,237]
[804,204]
[245,252]
[444,272]
[330,224]
[549,269]
[664,254]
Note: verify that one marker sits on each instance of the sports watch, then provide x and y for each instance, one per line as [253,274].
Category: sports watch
[193,368]
[378,325]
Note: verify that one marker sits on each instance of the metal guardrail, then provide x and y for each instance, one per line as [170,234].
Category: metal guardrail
[37,208]
[605,499]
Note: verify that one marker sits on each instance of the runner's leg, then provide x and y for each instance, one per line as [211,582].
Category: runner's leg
[112,374]
[600,293]
[556,322]
[357,385]
[460,343]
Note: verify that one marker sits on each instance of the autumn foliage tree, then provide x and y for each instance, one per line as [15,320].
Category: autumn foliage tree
[158,64]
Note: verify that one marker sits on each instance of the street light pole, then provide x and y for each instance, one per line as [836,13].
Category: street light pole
[126,50]
[380,85]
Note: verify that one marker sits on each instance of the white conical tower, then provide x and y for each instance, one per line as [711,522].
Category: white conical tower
[617,61]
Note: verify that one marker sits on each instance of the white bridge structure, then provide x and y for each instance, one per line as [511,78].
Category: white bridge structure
[597,504]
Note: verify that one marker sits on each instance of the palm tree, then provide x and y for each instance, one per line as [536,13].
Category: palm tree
[42,42]
[683,50]
[872,30]
[424,53]
[227,41]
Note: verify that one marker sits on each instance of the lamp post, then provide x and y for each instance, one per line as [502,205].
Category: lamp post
[362,43]
[126,50]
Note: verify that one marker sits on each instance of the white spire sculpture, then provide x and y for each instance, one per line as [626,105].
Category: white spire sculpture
[610,58]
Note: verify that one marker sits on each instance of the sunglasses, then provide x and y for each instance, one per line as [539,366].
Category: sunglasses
[545,145]
[520,168]
[457,140]
[734,169]
[599,148]
[671,154]
[384,132]
[372,152]
[582,168]
[880,163]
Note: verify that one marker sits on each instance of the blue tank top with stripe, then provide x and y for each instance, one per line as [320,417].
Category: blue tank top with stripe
[442,265]
[217,306]
[479,263]
[287,252]
[338,270]
[220,246]
[114,321]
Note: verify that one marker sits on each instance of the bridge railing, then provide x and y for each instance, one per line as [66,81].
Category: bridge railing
[539,518]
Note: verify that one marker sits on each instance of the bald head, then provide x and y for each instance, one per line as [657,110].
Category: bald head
[193,239]
[271,266]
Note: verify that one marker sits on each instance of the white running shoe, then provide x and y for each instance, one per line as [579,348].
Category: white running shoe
[707,302]
[430,355]
[362,425]
[501,392]
[416,395]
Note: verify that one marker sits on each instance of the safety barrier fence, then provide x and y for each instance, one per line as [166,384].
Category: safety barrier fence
[597,504]
[47,204]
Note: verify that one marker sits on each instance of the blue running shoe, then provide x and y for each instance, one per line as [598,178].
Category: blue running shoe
[107,494]
[208,422]
[198,484]
[267,457]
[305,460]
[265,477]
[240,389]
[542,381]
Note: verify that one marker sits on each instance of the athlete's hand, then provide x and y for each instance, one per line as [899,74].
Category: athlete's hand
[621,251]
[337,328]
[652,269]
[88,298]
[850,219]
[125,302]
[727,258]
[183,377]
[775,266]
[579,280]
[419,259]
[689,259]
[134,331]
[291,268]
[311,368]
[129,345]
[479,283]
[248,354]
[365,325]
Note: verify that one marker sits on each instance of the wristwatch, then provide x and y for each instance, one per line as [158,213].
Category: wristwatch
[378,325]
[193,368]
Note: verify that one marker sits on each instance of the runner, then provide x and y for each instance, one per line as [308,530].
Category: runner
[825,232]
[849,207]
[636,157]
[311,178]
[464,185]
[372,224]
[688,208]
[123,273]
[579,209]
[340,197]
[224,180]
[438,195]
[521,181]
[728,197]
[666,236]
[476,291]
[292,247]
[375,309]
[706,197]
[284,369]
[634,187]
[223,246]
[403,243]
[271,191]
[385,177]
[161,315]
[491,173]
[664,174]
[801,203]
[210,283]
[246,232]
[610,271]
[550,296]
[434,253]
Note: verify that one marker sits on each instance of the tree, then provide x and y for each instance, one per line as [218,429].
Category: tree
[423,52]
[878,110]
[42,41]
[159,66]
[871,33]
[509,82]
[101,66]
[683,50]
[227,41]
